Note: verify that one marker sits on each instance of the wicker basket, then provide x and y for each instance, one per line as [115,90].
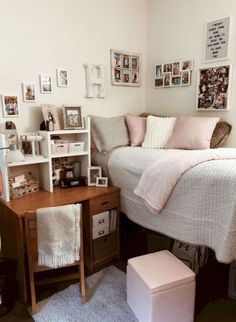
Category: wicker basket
[24,189]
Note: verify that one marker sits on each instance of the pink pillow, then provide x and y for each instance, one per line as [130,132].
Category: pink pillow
[192,133]
[137,128]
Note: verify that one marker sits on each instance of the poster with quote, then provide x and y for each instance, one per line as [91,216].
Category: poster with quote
[217,39]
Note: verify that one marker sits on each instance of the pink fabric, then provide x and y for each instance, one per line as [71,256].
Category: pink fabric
[137,129]
[160,178]
[192,133]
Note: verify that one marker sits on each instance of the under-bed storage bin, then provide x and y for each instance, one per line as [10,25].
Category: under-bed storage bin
[160,288]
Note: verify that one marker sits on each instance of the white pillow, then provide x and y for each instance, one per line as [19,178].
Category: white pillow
[158,132]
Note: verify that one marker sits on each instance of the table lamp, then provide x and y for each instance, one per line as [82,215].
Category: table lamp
[13,155]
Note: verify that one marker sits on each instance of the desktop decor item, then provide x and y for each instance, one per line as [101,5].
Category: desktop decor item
[177,73]
[62,77]
[101,182]
[50,115]
[72,118]
[213,88]
[217,39]
[28,92]
[93,173]
[10,106]
[45,84]
[125,68]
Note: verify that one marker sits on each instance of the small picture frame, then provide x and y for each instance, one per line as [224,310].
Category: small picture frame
[45,84]
[10,106]
[50,112]
[72,118]
[125,68]
[28,92]
[213,88]
[94,172]
[62,77]
[101,182]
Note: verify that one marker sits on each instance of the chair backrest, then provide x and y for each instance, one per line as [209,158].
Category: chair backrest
[32,240]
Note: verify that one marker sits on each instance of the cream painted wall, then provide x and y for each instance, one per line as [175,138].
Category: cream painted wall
[39,36]
[176,31]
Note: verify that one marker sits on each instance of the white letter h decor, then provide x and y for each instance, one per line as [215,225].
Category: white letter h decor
[95,75]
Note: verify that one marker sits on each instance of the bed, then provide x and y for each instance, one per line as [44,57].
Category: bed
[200,210]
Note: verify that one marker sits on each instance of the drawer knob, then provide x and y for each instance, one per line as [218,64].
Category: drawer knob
[101,221]
[101,232]
[104,203]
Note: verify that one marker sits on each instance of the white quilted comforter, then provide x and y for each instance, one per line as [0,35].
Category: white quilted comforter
[201,209]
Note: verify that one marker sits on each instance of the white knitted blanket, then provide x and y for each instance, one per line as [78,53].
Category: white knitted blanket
[201,209]
[159,179]
[58,230]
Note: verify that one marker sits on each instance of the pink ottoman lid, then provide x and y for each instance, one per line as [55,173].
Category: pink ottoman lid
[161,271]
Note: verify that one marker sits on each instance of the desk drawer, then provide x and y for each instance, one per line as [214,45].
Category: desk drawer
[105,246]
[103,203]
[101,219]
[100,231]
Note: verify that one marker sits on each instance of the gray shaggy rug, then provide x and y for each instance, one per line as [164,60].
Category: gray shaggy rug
[107,301]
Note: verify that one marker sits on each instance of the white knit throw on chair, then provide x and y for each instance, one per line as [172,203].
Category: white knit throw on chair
[58,230]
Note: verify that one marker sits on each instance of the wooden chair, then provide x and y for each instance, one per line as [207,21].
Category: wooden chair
[32,250]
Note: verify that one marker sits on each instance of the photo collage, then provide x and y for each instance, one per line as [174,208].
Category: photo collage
[213,88]
[125,68]
[177,73]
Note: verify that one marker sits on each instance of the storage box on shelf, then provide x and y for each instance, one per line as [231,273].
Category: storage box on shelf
[22,185]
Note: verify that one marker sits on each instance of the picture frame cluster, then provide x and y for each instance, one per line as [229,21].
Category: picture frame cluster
[10,103]
[125,68]
[177,73]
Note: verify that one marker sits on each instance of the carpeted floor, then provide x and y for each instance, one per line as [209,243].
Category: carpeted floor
[107,301]
[219,310]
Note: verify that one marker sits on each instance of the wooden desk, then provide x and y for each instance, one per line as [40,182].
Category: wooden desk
[12,215]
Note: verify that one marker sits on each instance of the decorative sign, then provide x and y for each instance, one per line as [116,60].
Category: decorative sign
[217,39]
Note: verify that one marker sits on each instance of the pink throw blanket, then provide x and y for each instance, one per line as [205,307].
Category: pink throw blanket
[160,178]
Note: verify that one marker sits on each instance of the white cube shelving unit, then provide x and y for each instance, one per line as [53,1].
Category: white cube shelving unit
[44,161]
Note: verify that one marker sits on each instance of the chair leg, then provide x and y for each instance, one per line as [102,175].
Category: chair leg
[33,294]
[82,285]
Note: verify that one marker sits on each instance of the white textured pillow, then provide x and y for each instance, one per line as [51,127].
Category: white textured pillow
[158,132]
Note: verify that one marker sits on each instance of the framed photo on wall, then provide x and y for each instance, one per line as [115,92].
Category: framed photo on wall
[62,77]
[173,74]
[72,118]
[10,106]
[217,39]
[45,84]
[28,92]
[213,88]
[125,68]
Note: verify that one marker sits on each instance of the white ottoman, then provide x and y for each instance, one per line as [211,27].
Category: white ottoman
[160,288]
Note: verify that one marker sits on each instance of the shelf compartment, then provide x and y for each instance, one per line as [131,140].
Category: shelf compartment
[29,160]
[69,154]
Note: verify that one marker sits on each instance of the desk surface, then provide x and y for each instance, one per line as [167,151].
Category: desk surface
[58,197]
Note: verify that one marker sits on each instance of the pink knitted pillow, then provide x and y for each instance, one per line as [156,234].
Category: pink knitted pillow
[192,133]
[137,128]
